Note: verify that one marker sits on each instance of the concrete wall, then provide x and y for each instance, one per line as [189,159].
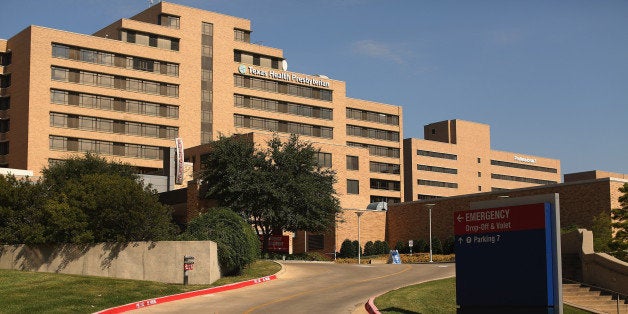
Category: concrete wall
[601,269]
[153,261]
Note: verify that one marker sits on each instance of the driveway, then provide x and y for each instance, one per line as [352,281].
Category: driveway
[310,287]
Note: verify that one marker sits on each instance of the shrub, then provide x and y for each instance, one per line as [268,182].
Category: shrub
[355,246]
[238,245]
[449,245]
[421,246]
[368,248]
[437,246]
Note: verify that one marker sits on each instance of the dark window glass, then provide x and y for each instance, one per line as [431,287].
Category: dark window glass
[353,186]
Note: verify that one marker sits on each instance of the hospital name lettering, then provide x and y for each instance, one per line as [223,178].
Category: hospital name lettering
[288,77]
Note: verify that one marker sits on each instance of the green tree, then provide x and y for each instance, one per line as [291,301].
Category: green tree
[619,244]
[279,189]
[20,214]
[238,246]
[119,209]
[602,232]
[437,246]
[89,199]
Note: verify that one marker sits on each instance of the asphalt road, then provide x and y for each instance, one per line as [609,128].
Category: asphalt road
[303,287]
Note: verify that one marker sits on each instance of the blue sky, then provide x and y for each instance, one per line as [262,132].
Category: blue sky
[549,77]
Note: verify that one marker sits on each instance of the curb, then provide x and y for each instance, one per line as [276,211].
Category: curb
[370,306]
[185,295]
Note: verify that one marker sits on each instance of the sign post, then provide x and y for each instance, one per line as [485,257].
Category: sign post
[508,256]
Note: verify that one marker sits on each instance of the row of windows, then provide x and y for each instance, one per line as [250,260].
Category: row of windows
[380,184]
[438,184]
[282,88]
[427,197]
[387,199]
[437,169]
[436,154]
[151,40]
[371,116]
[112,59]
[105,148]
[111,81]
[381,167]
[283,126]
[256,59]
[110,103]
[112,126]
[376,150]
[4,149]
[521,179]
[378,134]
[283,107]
[242,35]
[207,77]
[523,166]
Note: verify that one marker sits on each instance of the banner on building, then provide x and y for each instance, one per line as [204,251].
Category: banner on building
[179,160]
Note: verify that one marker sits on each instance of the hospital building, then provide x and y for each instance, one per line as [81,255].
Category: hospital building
[170,72]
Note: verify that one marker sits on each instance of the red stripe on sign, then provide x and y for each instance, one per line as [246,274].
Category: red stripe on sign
[185,295]
[500,219]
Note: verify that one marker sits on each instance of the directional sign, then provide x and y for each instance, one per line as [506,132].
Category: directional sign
[506,257]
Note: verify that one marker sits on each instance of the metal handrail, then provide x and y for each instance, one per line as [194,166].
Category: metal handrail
[606,290]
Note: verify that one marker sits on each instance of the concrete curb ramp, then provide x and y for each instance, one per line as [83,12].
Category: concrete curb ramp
[185,295]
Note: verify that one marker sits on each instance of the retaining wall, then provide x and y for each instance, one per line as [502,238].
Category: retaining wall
[155,261]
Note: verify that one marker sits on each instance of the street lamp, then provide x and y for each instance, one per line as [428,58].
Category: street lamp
[359,244]
[429,208]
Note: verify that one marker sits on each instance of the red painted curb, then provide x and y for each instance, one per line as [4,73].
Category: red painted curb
[370,306]
[185,295]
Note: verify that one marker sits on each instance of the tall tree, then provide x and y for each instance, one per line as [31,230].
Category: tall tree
[281,188]
[619,243]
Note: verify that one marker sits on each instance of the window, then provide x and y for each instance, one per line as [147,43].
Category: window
[379,184]
[324,159]
[353,186]
[380,167]
[5,125]
[479,160]
[242,35]
[169,21]
[436,169]
[5,103]
[354,130]
[436,154]
[438,184]
[5,80]
[358,114]
[520,179]
[375,150]
[353,163]
[479,174]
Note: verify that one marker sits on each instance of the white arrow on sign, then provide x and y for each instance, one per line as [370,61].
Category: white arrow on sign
[460,218]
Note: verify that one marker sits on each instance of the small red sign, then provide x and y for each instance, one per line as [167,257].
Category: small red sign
[500,219]
[188,266]
[277,243]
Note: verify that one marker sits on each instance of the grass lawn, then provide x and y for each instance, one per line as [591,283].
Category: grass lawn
[431,297]
[31,292]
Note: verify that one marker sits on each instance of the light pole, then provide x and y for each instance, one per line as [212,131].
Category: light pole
[359,244]
[429,208]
